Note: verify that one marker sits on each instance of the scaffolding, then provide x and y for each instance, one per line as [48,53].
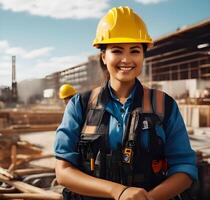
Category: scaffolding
[184,54]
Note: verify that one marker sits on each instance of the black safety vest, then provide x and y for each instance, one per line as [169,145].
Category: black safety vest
[130,164]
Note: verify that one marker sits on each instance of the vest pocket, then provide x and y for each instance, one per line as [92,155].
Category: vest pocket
[89,149]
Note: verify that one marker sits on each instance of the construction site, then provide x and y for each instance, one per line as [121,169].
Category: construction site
[178,64]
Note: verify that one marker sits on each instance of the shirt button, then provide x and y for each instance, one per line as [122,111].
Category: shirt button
[119,124]
[122,110]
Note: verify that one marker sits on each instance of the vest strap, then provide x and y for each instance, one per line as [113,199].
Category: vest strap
[153,102]
[146,106]
[92,104]
[158,102]
[93,100]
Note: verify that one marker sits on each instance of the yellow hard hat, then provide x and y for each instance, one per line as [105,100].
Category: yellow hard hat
[66,90]
[121,25]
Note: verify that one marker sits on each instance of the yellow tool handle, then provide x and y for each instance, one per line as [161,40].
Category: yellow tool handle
[92,164]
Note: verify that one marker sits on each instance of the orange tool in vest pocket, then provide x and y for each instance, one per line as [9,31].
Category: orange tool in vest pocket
[127,155]
[92,164]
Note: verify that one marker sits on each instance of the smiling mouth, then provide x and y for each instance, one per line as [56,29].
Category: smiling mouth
[125,69]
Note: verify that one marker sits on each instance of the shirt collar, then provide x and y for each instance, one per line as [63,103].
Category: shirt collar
[130,97]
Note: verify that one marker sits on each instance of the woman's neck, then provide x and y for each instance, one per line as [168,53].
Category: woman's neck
[122,89]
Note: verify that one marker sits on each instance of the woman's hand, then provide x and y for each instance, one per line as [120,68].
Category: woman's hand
[134,193]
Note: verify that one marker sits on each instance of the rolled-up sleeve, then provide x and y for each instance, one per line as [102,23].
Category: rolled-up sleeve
[68,133]
[179,154]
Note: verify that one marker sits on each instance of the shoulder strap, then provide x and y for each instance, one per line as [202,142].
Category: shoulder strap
[93,100]
[90,104]
[84,100]
[89,99]
[154,102]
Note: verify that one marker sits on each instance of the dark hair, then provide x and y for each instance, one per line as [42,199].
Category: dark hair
[144,47]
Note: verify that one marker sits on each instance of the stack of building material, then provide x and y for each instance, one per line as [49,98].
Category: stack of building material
[23,149]
[23,121]
[17,189]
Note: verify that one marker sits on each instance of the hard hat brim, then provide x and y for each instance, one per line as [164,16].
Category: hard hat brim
[97,44]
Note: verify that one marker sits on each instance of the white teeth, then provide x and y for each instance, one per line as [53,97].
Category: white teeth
[126,68]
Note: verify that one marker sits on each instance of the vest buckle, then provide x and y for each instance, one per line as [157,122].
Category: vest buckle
[127,155]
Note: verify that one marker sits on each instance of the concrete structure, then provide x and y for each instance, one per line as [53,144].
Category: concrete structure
[183,55]
[83,77]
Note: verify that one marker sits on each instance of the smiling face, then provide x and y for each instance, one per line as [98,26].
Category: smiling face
[124,61]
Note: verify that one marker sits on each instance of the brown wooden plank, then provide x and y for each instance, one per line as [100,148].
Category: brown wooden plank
[26,188]
[31,196]
[29,171]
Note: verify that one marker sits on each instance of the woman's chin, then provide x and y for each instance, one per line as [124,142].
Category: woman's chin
[126,79]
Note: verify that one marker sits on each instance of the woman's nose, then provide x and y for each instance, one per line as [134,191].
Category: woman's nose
[126,59]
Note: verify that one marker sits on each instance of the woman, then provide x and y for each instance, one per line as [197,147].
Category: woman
[151,157]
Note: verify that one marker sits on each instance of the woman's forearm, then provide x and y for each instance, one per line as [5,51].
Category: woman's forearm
[172,186]
[83,184]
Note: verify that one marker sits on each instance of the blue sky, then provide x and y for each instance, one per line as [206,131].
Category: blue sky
[52,35]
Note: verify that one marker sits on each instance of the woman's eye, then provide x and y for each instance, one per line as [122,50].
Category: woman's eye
[135,51]
[116,51]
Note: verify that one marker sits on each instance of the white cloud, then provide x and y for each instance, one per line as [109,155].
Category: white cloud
[58,63]
[4,68]
[3,45]
[18,51]
[5,57]
[60,9]
[146,2]
[7,49]
[34,63]
[38,52]
[37,69]
[25,58]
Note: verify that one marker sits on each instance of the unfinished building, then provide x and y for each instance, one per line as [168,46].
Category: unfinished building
[180,56]
[179,64]
[83,77]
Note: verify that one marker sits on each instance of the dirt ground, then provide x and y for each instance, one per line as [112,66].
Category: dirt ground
[45,141]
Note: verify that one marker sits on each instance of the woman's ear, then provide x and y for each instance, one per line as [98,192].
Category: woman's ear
[103,57]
